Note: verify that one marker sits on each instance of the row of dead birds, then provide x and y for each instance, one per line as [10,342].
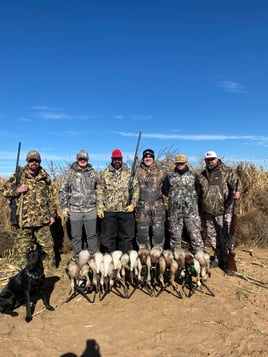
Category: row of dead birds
[151,271]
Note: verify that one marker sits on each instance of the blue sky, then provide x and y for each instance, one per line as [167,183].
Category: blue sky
[192,75]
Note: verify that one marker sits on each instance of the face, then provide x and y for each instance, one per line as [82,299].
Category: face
[117,162]
[33,165]
[148,160]
[211,161]
[82,163]
[181,165]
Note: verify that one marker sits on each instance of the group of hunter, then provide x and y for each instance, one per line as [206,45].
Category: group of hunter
[156,211]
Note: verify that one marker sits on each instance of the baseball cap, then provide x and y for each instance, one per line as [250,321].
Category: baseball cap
[117,153]
[181,159]
[33,154]
[82,154]
[211,155]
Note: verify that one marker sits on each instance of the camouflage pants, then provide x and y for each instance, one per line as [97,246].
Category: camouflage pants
[148,217]
[27,237]
[217,233]
[192,223]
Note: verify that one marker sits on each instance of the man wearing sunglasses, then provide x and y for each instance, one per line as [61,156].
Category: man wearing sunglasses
[36,209]
[220,186]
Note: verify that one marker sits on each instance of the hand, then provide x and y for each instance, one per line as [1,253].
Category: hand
[22,188]
[100,214]
[52,221]
[236,195]
[66,213]
[129,208]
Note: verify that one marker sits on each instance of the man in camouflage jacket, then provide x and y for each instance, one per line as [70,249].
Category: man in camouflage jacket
[150,210]
[116,213]
[78,202]
[36,209]
[181,187]
[219,187]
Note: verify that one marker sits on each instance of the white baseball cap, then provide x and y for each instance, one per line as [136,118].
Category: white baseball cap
[211,155]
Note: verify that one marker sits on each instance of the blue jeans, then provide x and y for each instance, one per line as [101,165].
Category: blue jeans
[88,220]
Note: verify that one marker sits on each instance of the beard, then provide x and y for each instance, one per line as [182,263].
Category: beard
[117,164]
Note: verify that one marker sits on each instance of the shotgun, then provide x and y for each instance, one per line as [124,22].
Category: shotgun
[133,170]
[230,240]
[12,202]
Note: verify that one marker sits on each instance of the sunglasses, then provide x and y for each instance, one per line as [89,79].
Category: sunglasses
[82,159]
[34,160]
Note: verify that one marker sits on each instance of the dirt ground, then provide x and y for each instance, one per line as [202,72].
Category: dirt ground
[233,323]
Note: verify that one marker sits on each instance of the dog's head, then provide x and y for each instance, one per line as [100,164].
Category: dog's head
[34,258]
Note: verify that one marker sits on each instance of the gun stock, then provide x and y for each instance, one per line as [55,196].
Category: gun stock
[133,171]
[13,203]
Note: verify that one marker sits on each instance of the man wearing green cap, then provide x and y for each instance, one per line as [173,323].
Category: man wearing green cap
[181,187]
[36,209]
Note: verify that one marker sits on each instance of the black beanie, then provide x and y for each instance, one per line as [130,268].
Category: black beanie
[148,152]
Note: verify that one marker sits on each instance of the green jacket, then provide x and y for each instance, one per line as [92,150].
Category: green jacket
[36,206]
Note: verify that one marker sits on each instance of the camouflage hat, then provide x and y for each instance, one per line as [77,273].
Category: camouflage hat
[181,159]
[82,154]
[33,154]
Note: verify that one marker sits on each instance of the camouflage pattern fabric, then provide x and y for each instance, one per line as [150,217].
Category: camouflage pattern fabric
[78,189]
[34,208]
[150,209]
[112,190]
[217,228]
[183,209]
[37,205]
[27,237]
[217,187]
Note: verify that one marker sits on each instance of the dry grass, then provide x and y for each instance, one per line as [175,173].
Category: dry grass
[252,225]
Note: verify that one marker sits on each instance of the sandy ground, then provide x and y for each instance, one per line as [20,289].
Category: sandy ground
[233,323]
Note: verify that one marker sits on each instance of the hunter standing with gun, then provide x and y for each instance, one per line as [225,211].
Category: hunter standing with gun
[35,209]
[150,211]
[117,196]
[220,188]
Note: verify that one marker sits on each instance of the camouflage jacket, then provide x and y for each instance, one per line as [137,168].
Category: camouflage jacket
[181,189]
[36,206]
[217,188]
[150,180]
[112,191]
[78,189]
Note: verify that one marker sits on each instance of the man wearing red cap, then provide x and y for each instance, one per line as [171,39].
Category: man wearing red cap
[118,223]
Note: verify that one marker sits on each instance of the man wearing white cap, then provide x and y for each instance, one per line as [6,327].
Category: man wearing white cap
[220,186]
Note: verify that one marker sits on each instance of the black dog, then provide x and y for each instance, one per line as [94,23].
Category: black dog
[26,287]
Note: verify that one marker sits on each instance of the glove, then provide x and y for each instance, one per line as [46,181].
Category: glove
[66,213]
[129,208]
[100,214]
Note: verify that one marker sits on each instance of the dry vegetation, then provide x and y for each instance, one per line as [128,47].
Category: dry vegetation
[252,225]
